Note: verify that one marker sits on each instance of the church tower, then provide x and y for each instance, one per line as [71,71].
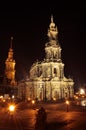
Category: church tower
[53,52]
[10,66]
[52,48]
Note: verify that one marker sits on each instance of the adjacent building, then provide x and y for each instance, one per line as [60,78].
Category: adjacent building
[8,84]
[10,66]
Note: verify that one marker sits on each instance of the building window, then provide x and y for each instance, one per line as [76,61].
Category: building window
[55,71]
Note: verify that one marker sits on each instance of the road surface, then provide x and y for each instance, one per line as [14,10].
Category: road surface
[57,117]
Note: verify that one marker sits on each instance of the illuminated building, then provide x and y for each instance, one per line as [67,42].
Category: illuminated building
[10,67]
[8,84]
[47,80]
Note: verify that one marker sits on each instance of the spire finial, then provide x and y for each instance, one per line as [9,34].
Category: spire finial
[11,42]
[51,18]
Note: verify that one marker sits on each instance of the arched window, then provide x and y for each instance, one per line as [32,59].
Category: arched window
[55,71]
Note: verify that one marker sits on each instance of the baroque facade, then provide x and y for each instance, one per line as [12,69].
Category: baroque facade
[8,83]
[10,67]
[47,80]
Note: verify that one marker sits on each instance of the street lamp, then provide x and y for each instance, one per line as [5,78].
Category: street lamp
[11,109]
[33,103]
[67,103]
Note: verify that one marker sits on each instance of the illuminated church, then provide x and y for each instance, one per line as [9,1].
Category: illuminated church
[10,67]
[47,80]
[8,83]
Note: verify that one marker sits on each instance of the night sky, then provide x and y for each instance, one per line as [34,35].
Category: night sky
[28,24]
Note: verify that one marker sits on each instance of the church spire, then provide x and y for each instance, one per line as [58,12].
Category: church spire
[11,42]
[51,18]
[52,31]
[10,65]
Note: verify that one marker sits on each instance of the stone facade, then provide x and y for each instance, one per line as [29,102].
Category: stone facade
[47,80]
[10,67]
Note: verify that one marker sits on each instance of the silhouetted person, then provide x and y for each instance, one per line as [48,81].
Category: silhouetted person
[40,119]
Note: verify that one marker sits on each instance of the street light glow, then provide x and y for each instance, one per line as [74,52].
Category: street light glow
[82,91]
[67,102]
[11,108]
[33,101]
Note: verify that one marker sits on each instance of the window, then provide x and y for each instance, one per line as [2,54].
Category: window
[55,71]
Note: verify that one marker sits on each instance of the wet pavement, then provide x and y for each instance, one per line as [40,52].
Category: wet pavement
[58,118]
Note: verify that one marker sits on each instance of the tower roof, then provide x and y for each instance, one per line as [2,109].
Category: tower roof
[52,31]
[52,23]
[11,42]
[51,18]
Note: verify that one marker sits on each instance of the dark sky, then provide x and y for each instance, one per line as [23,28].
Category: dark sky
[28,24]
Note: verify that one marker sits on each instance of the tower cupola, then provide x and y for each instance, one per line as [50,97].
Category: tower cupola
[52,31]
[52,48]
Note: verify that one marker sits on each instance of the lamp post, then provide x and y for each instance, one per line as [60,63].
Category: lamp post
[11,109]
[67,104]
[33,103]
